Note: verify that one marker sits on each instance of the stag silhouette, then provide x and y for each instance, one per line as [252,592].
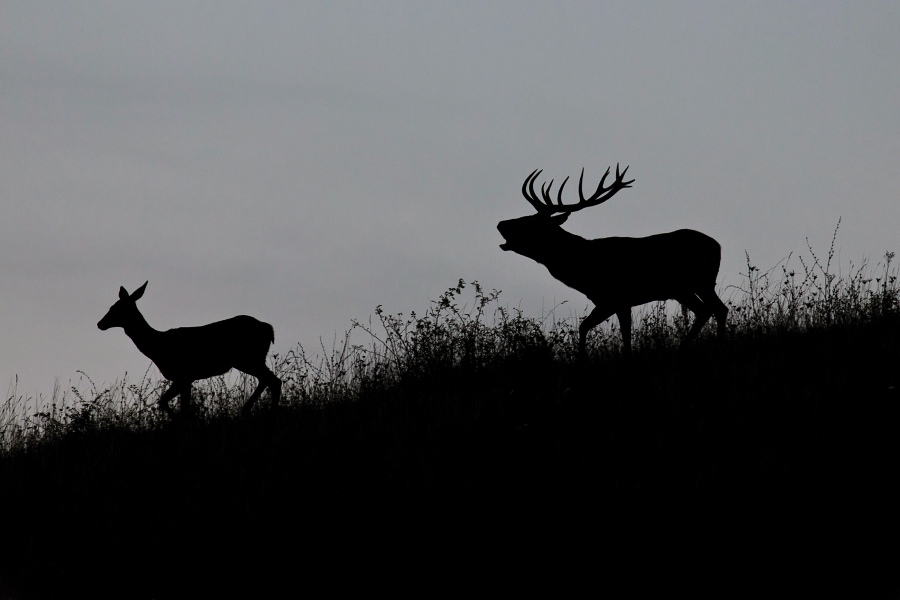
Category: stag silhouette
[186,354]
[616,273]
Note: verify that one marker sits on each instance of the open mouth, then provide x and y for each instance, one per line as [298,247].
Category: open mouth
[504,246]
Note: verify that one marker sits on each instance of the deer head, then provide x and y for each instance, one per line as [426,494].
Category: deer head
[124,311]
[530,234]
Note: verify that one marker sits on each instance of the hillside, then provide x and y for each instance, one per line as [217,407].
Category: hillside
[470,451]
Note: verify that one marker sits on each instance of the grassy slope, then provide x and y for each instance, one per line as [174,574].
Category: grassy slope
[721,465]
[766,463]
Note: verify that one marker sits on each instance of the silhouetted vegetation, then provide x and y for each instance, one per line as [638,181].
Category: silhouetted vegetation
[469,451]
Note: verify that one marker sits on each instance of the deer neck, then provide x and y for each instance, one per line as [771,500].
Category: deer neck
[146,338]
[564,254]
[558,250]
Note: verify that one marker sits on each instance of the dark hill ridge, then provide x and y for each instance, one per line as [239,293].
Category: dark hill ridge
[458,458]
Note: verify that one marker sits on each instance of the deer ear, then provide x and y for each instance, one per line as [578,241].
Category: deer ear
[123,293]
[559,219]
[139,292]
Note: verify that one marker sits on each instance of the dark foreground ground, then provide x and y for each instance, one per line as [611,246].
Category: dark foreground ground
[764,467]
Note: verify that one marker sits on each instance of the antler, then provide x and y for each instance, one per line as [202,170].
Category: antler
[547,205]
[599,197]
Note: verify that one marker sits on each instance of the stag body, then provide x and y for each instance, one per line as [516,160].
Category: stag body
[617,273]
[186,354]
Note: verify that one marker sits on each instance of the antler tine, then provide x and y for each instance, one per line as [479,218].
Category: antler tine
[559,195]
[619,178]
[528,180]
[533,196]
[545,193]
[600,189]
[603,193]
[528,191]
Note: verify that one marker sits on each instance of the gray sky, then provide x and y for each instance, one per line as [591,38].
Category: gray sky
[304,162]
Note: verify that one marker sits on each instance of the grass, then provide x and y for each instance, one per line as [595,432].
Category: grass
[467,451]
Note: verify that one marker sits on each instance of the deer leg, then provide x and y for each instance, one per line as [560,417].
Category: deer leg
[166,397]
[274,389]
[625,327]
[248,405]
[596,316]
[701,313]
[710,298]
[265,378]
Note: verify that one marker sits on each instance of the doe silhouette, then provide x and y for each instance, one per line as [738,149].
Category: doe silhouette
[186,354]
[616,273]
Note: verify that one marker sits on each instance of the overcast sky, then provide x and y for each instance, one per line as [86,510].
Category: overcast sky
[305,162]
